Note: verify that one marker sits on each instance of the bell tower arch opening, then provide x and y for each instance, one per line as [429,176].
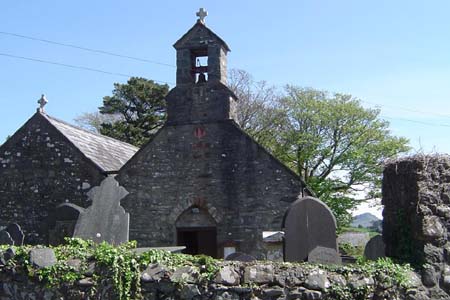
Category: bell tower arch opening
[197,230]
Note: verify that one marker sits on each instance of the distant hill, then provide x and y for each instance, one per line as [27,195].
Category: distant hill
[364,220]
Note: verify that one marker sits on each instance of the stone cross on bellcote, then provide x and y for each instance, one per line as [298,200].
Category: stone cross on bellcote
[201,14]
[42,102]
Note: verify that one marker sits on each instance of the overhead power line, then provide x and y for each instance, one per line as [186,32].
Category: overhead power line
[86,49]
[72,66]
[407,109]
[415,121]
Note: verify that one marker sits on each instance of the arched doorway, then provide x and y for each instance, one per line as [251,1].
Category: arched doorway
[61,222]
[197,230]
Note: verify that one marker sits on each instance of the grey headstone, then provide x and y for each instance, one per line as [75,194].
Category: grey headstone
[322,255]
[375,248]
[42,257]
[16,234]
[5,238]
[308,223]
[239,256]
[105,219]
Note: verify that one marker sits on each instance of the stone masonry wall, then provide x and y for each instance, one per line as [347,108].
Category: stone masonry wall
[232,281]
[214,166]
[416,199]
[40,169]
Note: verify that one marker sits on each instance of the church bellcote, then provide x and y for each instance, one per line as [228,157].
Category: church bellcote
[201,51]
[201,94]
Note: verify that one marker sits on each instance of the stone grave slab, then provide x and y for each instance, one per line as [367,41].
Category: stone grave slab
[308,223]
[375,248]
[171,249]
[239,256]
[5,238]
[16,234]
[105,219]
[323,255]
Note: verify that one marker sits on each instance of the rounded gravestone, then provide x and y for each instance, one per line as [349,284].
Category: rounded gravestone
[308,223]
[16,233]
[5,238]
[375,248]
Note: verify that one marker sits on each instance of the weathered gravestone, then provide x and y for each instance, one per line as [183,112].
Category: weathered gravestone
[323,255]
[308,223]
[5,238]
[239,256]
[16,234]
[375,248]
[105,219]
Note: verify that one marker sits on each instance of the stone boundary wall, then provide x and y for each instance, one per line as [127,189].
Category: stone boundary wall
[234,280]
[416,199]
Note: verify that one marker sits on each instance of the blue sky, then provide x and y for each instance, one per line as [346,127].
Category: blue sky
[390,54]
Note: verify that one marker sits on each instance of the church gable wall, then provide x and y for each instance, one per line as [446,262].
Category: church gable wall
[214,166]
[39,169]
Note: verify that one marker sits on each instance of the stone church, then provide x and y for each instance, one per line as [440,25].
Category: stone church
[200,182]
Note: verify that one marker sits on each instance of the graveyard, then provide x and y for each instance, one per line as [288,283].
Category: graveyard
[202,211]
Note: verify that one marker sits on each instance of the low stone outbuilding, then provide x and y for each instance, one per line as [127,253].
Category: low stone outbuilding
[48,162]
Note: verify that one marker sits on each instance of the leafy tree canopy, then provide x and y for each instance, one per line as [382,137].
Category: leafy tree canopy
[137,108]
[336,146]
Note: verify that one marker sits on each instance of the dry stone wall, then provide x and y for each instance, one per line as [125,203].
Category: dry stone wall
[231,280]
[416,198]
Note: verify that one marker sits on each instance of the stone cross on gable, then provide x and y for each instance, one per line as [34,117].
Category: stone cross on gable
[42,102]
[201,14]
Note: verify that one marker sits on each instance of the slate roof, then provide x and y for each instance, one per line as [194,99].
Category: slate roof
[107,153]
[200,26]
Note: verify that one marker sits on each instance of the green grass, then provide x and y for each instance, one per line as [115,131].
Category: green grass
[371,232]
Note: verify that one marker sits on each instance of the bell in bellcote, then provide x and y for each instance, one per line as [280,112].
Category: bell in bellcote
[201,78]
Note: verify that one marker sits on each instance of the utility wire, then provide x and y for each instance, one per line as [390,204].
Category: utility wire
[415,121]
[407,109]
[87,49]
[72,66]
[169,65]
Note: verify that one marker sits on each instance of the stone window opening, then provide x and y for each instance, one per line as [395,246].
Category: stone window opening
[200,65]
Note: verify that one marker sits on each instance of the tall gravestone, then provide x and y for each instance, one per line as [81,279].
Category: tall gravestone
[308,224]
[105,219]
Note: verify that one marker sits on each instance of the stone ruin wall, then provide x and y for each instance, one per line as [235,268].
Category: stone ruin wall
[416,199]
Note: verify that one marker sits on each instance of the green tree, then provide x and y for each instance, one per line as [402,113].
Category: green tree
[137,108]
[336,146]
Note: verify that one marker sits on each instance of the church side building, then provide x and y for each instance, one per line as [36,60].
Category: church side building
[48,166]
[201,181]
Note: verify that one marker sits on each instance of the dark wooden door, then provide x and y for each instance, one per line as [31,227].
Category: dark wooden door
[201,240]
